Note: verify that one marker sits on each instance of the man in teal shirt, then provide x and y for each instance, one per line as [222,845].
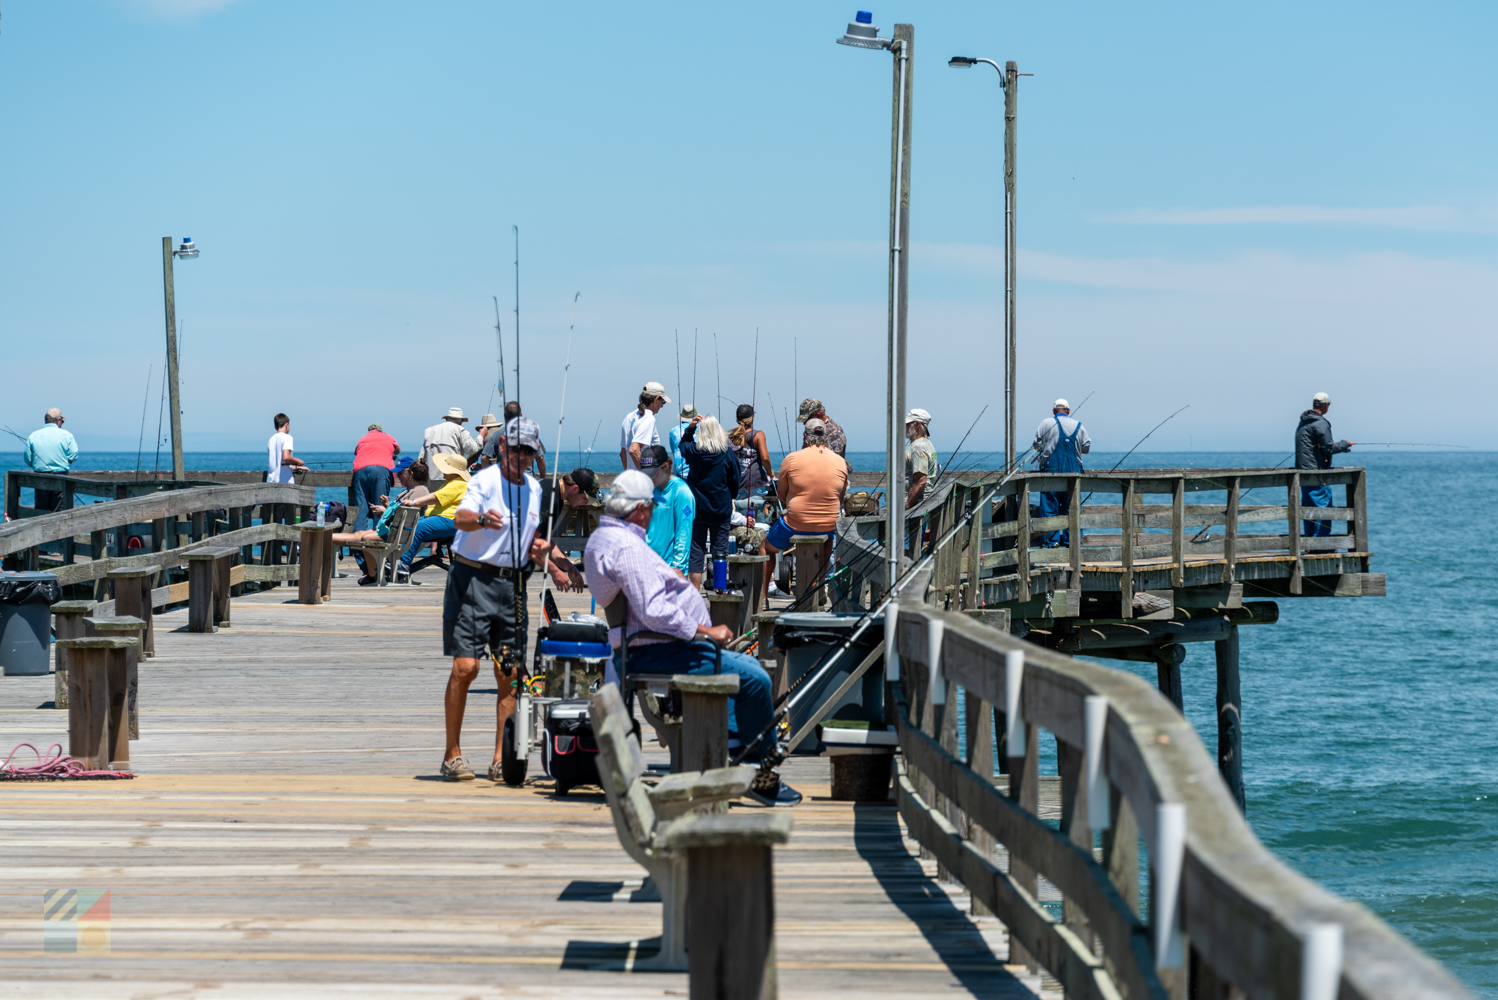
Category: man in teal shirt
[670,531]
[51,449]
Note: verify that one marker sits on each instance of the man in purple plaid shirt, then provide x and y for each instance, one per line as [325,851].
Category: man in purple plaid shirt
[618,559]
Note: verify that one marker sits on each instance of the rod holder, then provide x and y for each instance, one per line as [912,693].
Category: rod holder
[891,646]
[1167,857]
[1096,720]
[1014,675]
[1320,961]
[935,630]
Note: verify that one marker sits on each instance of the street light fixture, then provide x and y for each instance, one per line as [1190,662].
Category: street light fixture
[863,34]
[1008,79]
[187,250]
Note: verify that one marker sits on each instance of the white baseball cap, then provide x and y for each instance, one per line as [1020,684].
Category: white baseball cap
[656,389]
[632,484]
[917,414]
[1321,397]
[1060,404]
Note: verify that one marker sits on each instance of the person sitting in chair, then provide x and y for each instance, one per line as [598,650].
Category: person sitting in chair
[437,523]
[409,473]
[667,623]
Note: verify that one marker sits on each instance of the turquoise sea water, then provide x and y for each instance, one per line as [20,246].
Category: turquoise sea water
[1370,741]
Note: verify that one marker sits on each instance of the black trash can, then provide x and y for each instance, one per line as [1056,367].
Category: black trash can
[26,622]
[806,637]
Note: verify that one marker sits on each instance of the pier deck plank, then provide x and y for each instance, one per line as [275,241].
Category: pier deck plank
[287,837]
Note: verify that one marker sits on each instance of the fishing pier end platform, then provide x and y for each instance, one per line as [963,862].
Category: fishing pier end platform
[1128,569]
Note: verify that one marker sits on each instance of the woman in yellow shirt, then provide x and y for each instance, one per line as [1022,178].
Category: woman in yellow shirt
[437,524]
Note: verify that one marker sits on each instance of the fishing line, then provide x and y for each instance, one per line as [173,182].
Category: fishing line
[832,656]
[717,363]
[160,409]
[955,453]
[677,334]
[553,516]
[1136,445]
[145,402]
[517,311]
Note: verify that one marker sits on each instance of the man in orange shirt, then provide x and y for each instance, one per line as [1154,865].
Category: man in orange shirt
[812,484]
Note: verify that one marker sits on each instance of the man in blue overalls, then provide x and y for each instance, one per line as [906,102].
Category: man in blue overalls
[1060,443]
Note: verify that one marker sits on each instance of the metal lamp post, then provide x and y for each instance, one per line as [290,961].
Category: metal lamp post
[863,34]
[1008,79]
[187,251]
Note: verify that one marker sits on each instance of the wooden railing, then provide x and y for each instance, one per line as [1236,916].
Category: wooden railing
[162,520]
[1226,914]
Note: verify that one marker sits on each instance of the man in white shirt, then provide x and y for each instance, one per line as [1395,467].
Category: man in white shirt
[282,462]
[485,600]
[638,430]
[448,436]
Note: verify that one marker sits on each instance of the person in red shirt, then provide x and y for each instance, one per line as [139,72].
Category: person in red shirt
[374,457]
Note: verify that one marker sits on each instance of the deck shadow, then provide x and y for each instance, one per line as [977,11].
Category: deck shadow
[608,956]
[949,932]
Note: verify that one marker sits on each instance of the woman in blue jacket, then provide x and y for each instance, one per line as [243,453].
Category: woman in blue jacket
[713,475]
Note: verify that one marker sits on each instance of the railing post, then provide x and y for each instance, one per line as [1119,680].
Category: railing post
[1357,492]
[1320,961]
[68,545]
[1292,505]
[980,759]
[1178,534]
[1167,857]
[1230,532]
[1095,778]
[1126,552]
[1022,540]
[1022,745]
[1074,535]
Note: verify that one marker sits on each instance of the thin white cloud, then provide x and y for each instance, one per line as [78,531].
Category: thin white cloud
[179,10]
[1431,218]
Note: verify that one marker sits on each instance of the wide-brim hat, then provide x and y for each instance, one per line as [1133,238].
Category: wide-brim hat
[450,465]
[489,420]
[688,411]
[455,413]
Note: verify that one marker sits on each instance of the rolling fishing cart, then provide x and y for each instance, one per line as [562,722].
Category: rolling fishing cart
[570,662]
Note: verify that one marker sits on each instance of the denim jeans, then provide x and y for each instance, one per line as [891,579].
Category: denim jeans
[1315,496]
[370,483]
[1055,505]
[429,529]
[749,711]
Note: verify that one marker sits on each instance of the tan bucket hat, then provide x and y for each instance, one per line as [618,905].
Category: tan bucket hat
[450,464]
[488,420]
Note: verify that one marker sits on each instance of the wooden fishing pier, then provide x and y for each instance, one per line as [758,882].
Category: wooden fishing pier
[286,834]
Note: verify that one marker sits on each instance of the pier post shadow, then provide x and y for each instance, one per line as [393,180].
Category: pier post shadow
[946,928]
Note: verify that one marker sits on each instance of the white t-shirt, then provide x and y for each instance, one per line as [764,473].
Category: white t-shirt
[280,443]
[638,428]
[490,490]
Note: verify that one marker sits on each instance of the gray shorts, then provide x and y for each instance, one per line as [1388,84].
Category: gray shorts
[478,611]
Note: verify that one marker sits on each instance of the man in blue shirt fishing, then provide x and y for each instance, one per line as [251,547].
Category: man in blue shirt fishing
[1060,443]
[670,531]
[51,449]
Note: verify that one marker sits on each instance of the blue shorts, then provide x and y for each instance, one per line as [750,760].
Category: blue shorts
[781,533]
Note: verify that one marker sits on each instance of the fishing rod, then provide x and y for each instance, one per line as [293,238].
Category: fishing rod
[694,366]
[754,385]
[499,342]
[1410,444]
[677,333]
[718,364]
[1136,445]
[831,657]
[556,472]
[160,409]
[1083,403]
[13,434]
[776,421]
[595,437]
[517,311]
[943,470]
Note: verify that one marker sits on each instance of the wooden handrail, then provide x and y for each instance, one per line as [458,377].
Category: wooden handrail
[1242,910]
[18,536]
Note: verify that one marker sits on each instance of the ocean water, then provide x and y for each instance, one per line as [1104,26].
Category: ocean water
[1370,725]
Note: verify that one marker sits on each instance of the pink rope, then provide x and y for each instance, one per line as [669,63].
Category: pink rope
[55,765]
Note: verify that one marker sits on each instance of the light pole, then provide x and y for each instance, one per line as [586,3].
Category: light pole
[187,251]
[863,34]
[1009,80]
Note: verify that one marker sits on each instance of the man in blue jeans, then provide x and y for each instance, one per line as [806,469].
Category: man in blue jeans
[668,622]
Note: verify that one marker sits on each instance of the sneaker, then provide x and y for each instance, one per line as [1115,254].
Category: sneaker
[456,769]
[769,790]
[776,591]
[402,574]
[495,772]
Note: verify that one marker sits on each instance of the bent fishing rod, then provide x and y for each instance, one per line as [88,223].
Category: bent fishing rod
[831,658]
[555,515]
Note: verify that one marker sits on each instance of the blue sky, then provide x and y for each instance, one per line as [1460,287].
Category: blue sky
[1221,206]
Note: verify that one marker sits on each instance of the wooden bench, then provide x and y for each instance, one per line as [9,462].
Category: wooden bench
[642,814]
[380,557]
[208,587]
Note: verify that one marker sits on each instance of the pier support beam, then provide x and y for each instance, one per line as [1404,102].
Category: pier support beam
[1230,717]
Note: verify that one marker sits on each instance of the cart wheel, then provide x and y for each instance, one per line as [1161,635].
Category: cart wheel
[511,764]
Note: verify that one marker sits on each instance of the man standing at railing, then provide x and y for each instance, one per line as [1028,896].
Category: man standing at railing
[1314,449]
[1060,443]
[50,449]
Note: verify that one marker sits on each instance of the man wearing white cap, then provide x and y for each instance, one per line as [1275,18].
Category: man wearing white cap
[920,456]
[1314,449]
[1060,443]
[448,436]
[484,605]
[638,429]
[668,626]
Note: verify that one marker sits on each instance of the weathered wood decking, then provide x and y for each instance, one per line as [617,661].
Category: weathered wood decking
[287,837]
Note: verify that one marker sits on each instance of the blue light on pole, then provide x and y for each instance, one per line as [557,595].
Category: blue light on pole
[863,34]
